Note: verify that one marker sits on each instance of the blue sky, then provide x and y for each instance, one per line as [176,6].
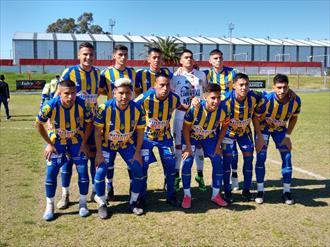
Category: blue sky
[258,19]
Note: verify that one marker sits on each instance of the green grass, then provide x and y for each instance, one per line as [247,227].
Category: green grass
[22,199]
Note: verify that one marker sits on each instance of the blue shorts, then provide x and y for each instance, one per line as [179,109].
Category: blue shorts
[165,148]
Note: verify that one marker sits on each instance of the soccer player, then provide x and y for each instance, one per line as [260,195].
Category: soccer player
[277,115]
[223,76]
[87,78]
[201,127]
[71,124]
[49,90]
[146,78]
[243,102]
[116,123]
[108,78]
[188,84]
[159,103]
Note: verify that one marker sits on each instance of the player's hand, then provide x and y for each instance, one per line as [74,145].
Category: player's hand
[260,143]
[49,150]
[179,71]
[195,102]
[137,157]
[287,142]
[218,150]
[186,153]
[84,149]
[99,159]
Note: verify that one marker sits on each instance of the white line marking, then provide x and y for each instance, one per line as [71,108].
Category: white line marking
[318,177]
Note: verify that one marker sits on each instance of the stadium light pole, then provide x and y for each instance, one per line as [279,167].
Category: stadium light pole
[231,27]
[112,23]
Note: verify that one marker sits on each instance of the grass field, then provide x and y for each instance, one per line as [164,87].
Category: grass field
[307,223]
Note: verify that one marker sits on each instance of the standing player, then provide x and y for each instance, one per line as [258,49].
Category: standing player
[87,79]
[70,122]
[146,78]
[116,123]
[49,90]
[108,78]
[187,85]
[277,115]
[223,76]
[243,102]
[201,127]
[159,103]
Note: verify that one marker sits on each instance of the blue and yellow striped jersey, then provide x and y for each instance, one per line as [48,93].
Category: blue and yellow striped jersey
[275,115]
[87,83]
[119,125]
[111,74]
[146,78]
[158,114]
[65,123]
[204,123]
[242,113]
[224,79]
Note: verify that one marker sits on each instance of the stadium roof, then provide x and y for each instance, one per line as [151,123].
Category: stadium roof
[283,42]
[308,42]
[101,37]
[83,37]
[119,38]
[187,40]
[237,41]
[252,41]
[266,41]
[45,36]
[64,36]
[322,42]
[218,41]
[203,40]
[23,36]
[136,38]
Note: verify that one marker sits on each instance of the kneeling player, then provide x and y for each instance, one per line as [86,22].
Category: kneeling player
[69,119]
[277,114]
[201,127]
[116,122]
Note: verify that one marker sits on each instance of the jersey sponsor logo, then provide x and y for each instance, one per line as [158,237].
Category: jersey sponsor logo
[66,134]
[200,133]
[274,122]
[156,124]
[117,136]
[239,123]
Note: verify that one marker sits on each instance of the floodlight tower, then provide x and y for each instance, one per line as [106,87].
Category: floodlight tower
[112,23]
[231,27]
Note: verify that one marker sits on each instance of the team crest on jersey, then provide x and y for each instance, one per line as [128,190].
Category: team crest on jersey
[67,125]
[122,127]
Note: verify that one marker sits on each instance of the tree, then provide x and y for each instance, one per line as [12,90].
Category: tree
[170,49]
[84,24]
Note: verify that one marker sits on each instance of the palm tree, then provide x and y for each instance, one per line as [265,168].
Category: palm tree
[170,49]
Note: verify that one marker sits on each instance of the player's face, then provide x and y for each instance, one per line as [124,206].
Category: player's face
[241,87]
[120,57]
[187,60]
[281,90]
[162,87]
[155,60]
[216,60]
[212,100]
[67,95]
[123,95]
[86,57]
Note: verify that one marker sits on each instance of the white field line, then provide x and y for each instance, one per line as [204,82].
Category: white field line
[298,169]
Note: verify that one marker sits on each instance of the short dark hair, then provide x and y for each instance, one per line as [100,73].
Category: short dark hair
[120,48]
[211,87]
[154,49]
[2,77]
[87,45]
[57,76]
[281,78]
[163,75]
[241,76]
[186,51]
[67,83]
[216,51]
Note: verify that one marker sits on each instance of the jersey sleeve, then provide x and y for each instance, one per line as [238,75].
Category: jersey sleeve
[177,98]
[189,116]
[298,102]
[45,112]
[261,107]
[65,75]
[99,117]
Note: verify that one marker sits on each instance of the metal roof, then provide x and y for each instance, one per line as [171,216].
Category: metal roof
[119,38]
[252,41]
[23,36]
[150,38]
[219,41]
[187,40]
[237,41]
[64,37]
[267,41]
[283,42]
[83,37]
[308,42]
[322,42]
[45,36]
[101,37]
[136,38]
[203,40]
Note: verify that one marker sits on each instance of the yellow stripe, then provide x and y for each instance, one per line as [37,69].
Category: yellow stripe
[62,123]
[73,76]
[127,119]
[202,121]
[156,108]
[117,121]
[222,81]
[212,120]
[275,109]
[165,110]
[107,126]
[144,78]
[236,110]
[294,108]
[230,81]
[246,110]
[81,119]
[83,80]
[284,111]
[153,79]
[93,82]
[73,124]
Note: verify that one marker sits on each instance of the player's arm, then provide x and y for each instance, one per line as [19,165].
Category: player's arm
[292,123]
[88,130]
[139,142]
[260,142]
[222,134]
[99,158]
[186,135]
[50,148]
